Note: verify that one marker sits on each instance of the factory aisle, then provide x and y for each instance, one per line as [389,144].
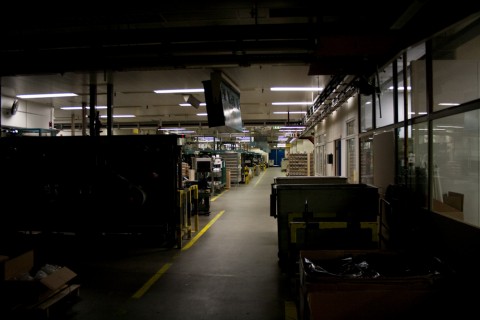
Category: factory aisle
[229,270]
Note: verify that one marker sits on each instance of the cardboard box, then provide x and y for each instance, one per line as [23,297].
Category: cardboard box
[30,291]
[17,266]
[338,297]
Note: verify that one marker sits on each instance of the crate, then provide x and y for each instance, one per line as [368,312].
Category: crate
[332,295]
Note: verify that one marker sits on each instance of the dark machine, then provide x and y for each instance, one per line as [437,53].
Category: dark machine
[203,168]
[82,184]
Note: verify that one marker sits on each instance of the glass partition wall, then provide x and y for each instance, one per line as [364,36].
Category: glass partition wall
[430,97]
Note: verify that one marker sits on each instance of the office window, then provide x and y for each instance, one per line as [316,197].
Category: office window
[456,65]
[366,114]
[456,160]
[384,105]
[413,164]
[366,160]
[415,90]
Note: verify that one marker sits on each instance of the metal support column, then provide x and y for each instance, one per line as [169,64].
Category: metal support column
[93,103]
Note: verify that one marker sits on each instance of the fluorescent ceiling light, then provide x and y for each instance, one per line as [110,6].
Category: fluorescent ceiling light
[298,103]
[46,95]
[293,127]
[80,108]
[296,89]
[290,112]
[448,104]
[202,104]
[400,88]
[179,91]
[201,114]
[171,129]
[454,127]
[434,129]
[281,145]
[419,113]
[205,139]
[120,116]
[290,130]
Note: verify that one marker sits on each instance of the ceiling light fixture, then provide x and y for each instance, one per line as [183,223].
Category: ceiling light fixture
[171,129]
[290,112]
[120,116]
[294,103]
[46,95]
[448,104]
[202,104]
[296,89]
[400,88]
[179,91]
[80,108]
[290,130]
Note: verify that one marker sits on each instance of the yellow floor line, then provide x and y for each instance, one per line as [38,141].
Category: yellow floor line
[204,229]
[260,178]
[166,266]
[151,281]
[290,310]
[218,196]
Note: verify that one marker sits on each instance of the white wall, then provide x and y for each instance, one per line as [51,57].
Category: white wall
[29,114]
[334,126]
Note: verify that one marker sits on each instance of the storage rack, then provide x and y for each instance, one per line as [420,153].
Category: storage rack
[233,164]
[300,164]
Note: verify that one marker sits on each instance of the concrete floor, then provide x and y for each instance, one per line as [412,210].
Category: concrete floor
[227,270]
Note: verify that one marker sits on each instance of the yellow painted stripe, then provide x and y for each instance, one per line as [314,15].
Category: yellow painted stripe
[290,310]
[166,266]
[217,196]
[260,178]
[209,224]
[151,281]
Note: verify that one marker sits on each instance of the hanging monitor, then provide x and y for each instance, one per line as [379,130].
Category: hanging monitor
[223,104]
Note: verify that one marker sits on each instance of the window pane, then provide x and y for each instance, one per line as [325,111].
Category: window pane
[416,86]
[366,160]
[351,169]
[384,100]
[456,56]
[455,186]
[366,113]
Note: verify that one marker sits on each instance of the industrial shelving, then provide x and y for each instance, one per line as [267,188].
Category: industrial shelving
[234,165]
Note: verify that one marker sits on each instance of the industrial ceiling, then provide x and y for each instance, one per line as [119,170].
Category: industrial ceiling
[177,44]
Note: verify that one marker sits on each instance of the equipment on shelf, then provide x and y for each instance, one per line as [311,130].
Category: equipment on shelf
[203,168]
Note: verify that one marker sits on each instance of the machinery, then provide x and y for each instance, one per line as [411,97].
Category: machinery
[322,213]
[203,168]
[90,184]
[218,173]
